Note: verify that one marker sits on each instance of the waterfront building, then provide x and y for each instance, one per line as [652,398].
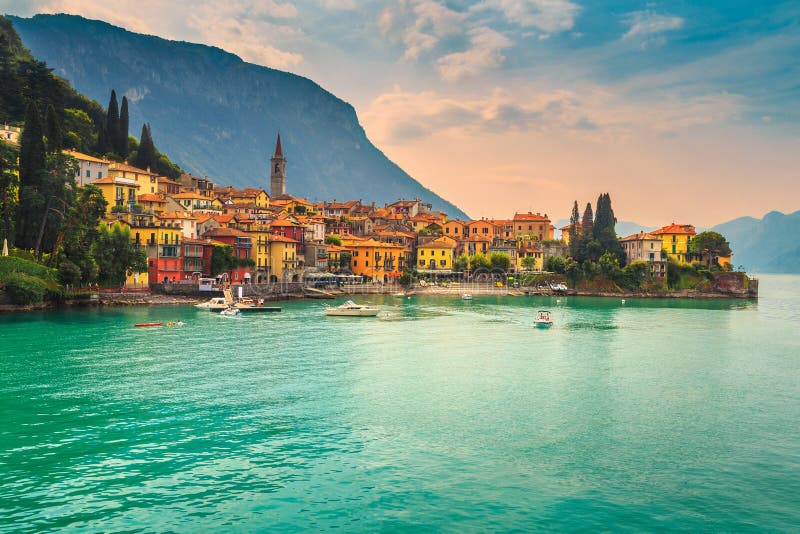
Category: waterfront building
[283,263]
[533,225]
[146,180]
[509,248]
[241,244]
[436,254]
[646,247]
[566,232]
[676,240]
[164,259]
[373,259]
[183,220]
[89,168]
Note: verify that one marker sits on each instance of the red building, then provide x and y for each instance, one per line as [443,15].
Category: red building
[242,248]
[290,229]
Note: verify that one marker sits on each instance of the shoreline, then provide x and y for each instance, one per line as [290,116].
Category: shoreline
[159,299]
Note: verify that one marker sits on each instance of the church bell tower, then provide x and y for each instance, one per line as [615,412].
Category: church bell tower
[277,174]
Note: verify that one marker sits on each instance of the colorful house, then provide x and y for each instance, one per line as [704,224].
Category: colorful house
[118,192]
[283,259]
[373,259]
[533,225]
[241,244]
[89,168]
[676,240]
[166,266]
[436,254]
[146,180]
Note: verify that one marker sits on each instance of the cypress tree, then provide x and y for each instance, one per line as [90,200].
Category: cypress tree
[31,175]
[146,156]
[122,149]
[112,122]
[574,235]
[588,220]
[55,140]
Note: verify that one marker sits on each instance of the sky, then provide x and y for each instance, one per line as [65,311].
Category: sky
[684,111]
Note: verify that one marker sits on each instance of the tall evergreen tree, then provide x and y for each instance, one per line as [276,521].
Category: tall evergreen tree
[574,232]
[31,175]
[9,182]
[112,122]
[146,156]
[124,121]
[587,223]
[55,140]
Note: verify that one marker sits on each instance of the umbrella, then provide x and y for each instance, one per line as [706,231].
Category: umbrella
[5,247]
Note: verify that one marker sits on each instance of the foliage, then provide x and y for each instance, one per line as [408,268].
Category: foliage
[574,221]
[500,260]
[461,263]
[587,223]
[15,264]
[528,262]
[145,156]
[53,130]
[333,240]
[407,279]
[116,255]
[9,182]
[556,264]
[79,131]
[344,260]
[124,122]
[79,233]
[478,261]
[709,245]
[24,289]
[222,259]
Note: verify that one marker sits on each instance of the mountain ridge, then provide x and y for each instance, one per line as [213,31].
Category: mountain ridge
[218,116]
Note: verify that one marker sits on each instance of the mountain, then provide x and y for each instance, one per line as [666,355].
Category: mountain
[764,245]
[218,116]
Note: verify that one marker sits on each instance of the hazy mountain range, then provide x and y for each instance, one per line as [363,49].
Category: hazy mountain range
[218,116]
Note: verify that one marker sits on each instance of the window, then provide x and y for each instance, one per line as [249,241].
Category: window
[443,253]
[99,174]
[443,263]
[88,173]
[673,249]
[366,263]
[355,263]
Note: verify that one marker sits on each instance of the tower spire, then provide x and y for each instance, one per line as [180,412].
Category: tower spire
[278,149]
[277,178]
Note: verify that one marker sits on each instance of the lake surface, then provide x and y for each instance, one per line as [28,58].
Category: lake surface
[441,414]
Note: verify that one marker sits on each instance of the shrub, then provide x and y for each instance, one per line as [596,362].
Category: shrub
[24,289]
[13,264]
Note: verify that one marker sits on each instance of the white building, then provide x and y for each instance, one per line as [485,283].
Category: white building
[10,134]
[90,169]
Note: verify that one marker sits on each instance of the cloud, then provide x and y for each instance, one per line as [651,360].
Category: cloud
[485,50]
[339,4]
[547,15]
[590,112]
[646,26]
[432,22]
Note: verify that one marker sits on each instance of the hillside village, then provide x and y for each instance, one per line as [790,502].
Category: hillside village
[276,237]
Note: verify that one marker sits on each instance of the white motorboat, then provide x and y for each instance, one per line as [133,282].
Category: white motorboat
[217,304]
[543,319]
[230,312]
[466,296]
[351,309]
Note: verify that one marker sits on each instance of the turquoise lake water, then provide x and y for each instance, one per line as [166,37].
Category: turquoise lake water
[441,414]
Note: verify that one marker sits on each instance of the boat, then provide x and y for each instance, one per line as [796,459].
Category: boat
[543,319]
[174,323]
[398,295]
[466,296]
[138,325]
[351,309]
[247,305]
[230,312]
[217,304]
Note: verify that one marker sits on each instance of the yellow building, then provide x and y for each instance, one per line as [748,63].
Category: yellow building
[675,240]
[436,254]
[374,259]
[117,191]
[261,251]
[282,259]
[146,180]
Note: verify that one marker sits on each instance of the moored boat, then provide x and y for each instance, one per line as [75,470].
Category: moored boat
[247,305]
[466,296]
[543,319]
[139,325]
[230,312]
[351,309]
[216,304]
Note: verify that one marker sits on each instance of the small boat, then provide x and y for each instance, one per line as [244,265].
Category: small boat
[399,295]
[217,304]
[175,323]
[147,324]
[247,305]
[230,312]
[351,309]
[466,296]
[543,319]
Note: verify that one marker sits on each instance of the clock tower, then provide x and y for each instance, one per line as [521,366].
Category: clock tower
[277,174]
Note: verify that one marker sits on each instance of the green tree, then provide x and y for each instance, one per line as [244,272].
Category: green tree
[112,123]
[609,266]
[333,240]
[9,182]
[478,261]
[31,179]
[55,140]
[124,124]
[461,263]
[587,223]
[344,260]
[500,260]
[574,233]
[528,263]
[78,130]
[145,157]
[79,234]
[116,255]
[556,264]
[709,246]
[222,259]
